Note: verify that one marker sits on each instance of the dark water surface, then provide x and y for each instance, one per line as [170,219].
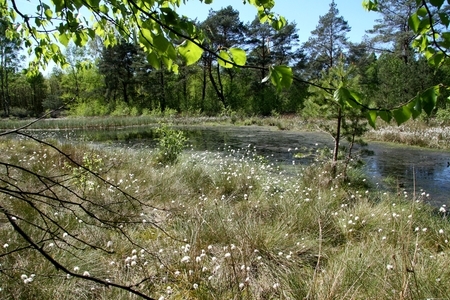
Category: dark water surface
[399,163]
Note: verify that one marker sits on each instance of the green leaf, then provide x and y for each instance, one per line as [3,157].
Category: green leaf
[415,107]
[154,60]
[224,59]
[424,25]
[429,98]
[370,5]
[385,115]
[281,77]
[239,56]
[64,39]
[80,38]
[174,68]
[444,19]
[437,59]
[190,51]
[372,117]
[414,22]
[55,48]
[160,43]
[422,12]
[48,13]
[146,37]
[279,23]
[103,9]
[402,114]
[354,100]
[437,3]
[341,96]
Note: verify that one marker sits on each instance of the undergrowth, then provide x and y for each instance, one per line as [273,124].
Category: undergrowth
[220,226]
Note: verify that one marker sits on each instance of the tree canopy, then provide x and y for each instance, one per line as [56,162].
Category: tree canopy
[165,37]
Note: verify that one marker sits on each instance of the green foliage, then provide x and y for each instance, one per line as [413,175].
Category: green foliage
[171,143]
[81,174]
[89,109]
[154,29]
[251,231]
[432,39]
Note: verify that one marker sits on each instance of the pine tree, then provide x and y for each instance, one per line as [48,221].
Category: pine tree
[392,32]
[327,42]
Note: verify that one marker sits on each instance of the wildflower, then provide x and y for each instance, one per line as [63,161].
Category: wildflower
[76,269]
[28,280]
[441,231]
[23,276]
[228,254]
[195,286]
[389,267]
[6,245]
[185,259]
[169,290]
[241,285]
[86,273]
[276,285]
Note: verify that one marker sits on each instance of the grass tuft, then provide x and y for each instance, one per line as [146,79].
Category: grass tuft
[214,226]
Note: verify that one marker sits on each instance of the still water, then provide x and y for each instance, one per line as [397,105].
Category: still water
[425,169]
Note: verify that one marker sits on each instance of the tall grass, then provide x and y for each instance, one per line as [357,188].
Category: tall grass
[105,122]
[224,226]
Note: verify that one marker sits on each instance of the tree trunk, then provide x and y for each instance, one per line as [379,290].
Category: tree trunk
[202,103]
[336,142]
[162,97]
[214,84]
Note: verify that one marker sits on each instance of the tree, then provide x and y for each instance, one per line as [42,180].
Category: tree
[392,32]
[269,47]
[9,62]
[336,98]
[327,42]
[223,31]
[117,65]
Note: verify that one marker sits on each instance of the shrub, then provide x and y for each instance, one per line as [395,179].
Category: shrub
[170,144]
[19,112]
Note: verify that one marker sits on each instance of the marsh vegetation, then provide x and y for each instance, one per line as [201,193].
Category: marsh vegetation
[211,225]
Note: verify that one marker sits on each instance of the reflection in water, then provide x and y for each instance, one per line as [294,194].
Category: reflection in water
[411,166]
[400,163]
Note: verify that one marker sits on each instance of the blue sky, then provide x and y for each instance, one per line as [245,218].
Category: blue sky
[304,12]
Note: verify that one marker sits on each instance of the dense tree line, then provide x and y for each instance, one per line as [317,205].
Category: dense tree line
[123,80]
